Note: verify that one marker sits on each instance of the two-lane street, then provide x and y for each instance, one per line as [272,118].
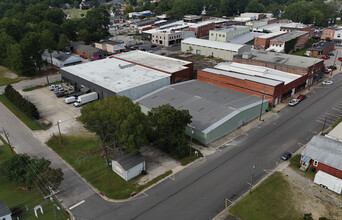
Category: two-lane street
[198,192]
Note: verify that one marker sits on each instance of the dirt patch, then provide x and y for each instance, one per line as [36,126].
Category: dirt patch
[310,198]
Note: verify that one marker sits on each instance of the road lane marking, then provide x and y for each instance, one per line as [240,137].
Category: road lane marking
[77,204]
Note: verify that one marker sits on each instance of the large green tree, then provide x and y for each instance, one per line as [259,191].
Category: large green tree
[118,122]
[167,129]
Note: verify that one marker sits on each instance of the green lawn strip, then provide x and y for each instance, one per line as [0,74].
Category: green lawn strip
[40,86]
[26,120]
[295,164]
[186,160]
[5,80]
[85,156]
[300,52]
[337,122]
[272,199]
[14,195]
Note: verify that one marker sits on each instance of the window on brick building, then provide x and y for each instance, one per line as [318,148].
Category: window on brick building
[315,163]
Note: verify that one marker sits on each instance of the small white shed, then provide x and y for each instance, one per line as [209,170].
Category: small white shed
[5,213]
[129,166]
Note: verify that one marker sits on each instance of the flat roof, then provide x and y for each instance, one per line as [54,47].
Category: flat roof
[212,44]
[273,34]
[245,38]
[209,105]
[336,132]
[230,28]
[200,24]
[274,27]
[289,36]
[281,58]
[163,63]
[325,150]
[114,74]
[259,73]
[294,25]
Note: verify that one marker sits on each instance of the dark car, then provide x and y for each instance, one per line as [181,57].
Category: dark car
[301,97]
[286,156]
[60,94]
[330,54]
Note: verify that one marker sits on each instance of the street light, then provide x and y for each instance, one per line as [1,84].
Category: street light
[191,132]
[262,103]
[252,178]
[59,129]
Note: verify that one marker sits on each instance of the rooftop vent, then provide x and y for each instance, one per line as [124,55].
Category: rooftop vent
[126,66]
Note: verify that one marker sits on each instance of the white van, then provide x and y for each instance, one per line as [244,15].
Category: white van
[70,100]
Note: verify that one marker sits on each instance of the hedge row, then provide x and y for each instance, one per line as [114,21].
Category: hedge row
[24,105]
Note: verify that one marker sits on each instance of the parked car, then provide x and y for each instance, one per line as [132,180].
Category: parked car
[327,82]
[59,89]
[301,97]
[286,156]
[60,94]
[70,99]
[340,59]
[53,87]
[330,54]
[294,102]
[323,57]
[327,71]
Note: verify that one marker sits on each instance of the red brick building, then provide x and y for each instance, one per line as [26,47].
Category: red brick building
[202,29]
[300,65]
[253,80]
[263,42]
[323,153]
[279,44]
[180,70]
[320,48]
[328,33]
[298,27]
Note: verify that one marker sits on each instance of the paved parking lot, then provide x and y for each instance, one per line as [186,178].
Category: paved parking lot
[50,107]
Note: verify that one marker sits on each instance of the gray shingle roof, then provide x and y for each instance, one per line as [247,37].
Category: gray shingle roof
[325,150]
[4,210]
[320,46]
[127,161]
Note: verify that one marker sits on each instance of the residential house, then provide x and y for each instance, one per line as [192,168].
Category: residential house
[320,48]
[129,166]
[90,52]
[60,59]
[323,153]
[5,212]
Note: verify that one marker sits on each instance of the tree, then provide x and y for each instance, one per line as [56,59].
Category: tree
[14,58]
[5,42]
[54,15]
[97,21]
[50,177]
[63,42]
[128,9]
[118,122]
[167,129]
[255,6]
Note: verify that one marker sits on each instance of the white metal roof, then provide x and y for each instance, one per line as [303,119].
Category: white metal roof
[325,150]
[213,44]
[114,74]
[259,72]
[167,64]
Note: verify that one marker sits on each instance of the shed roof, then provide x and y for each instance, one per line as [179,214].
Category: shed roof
[209,105]
[163,63]
[212,44]
[128,161]
[325,150]
[4,210]
[114,74]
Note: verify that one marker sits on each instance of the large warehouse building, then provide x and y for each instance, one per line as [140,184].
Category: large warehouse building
[274,85]
[112,76]
[215,111]
[179,70]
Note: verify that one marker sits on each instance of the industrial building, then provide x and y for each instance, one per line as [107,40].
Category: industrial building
[262,42]
[179,70]
[273,85]
[228,33]
[215,111]
[309,67]
[225,51]
[112,76]
[289,42]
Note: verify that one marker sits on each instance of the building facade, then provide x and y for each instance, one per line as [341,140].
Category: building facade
[201,29]
[110,46]
[328,33]
[285,43]
[226,34]
[166,37]
[263,42]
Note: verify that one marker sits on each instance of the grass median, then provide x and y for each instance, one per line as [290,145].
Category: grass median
[85,156]
[272,199]
[22,117]
[15,196]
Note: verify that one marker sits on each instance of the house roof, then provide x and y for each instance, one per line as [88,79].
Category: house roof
[76,43]
[210,106]
[89,49]
[325,150]
[4,210]
[212,44]
[128,161]
[58,55]
[110,42]
[320,46]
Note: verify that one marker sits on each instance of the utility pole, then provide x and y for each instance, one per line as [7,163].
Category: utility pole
[252,178]
[191,132]
[59,129]
[9,143]
[262,102]
[325,120]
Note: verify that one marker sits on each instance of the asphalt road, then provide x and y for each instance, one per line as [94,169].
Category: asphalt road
[198,192]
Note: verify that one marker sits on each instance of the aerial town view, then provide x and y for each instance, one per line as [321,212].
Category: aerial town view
[170,110]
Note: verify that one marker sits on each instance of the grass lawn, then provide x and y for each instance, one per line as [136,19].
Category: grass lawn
[300,52]
[85,156]
[26,120]
[5,80]
[75,12]
[295,164]
[14,196]
[271,200]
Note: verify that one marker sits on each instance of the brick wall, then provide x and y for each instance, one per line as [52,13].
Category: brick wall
[301,42]
[328,33]
[85,55]
[327,169]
